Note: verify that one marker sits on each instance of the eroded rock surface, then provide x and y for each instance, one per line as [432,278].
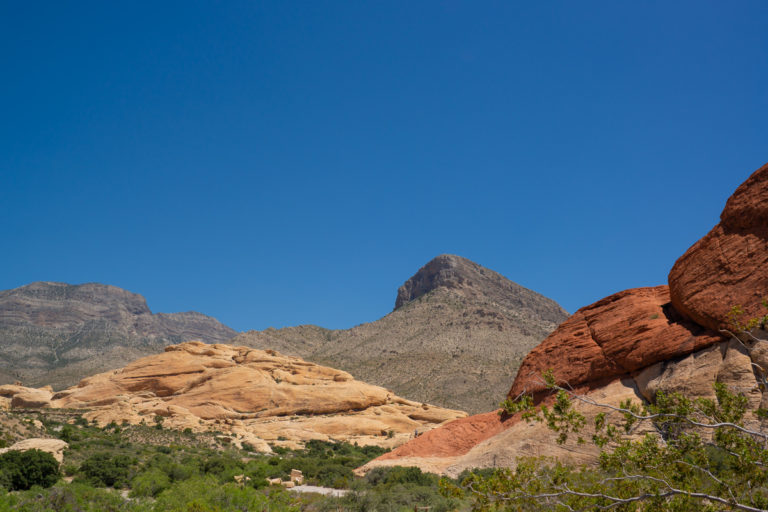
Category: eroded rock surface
[260,396]
[509,440]
[55,447]
[729,266]
[615,336]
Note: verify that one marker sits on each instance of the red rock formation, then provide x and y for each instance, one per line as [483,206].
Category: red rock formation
[454,438]
[729,266]
[615,336]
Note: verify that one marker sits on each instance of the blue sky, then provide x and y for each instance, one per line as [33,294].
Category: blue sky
[281,163]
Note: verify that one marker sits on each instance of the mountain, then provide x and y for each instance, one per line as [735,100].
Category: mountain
[455,338]
[56,333]
[630,345]
[254,396]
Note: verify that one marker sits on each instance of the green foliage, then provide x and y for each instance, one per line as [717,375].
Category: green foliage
[203,493]
[396,488]
[68,433]
[698,457]
[398,475]
[150,483]
[736,312]
[75,497]
[106,470]
[22,470]
[510,406]
[169,470]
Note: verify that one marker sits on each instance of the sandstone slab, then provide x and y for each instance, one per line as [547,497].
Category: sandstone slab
[55,447]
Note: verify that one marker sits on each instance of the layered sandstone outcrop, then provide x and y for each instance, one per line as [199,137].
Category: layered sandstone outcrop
[729,266]
[613,337]
[259,396]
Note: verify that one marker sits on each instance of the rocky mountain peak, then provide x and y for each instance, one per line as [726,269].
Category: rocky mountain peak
[474,281]
[446,270]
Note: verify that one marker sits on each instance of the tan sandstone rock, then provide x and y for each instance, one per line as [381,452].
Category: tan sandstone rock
[260,396]
[55,447]
[30,398]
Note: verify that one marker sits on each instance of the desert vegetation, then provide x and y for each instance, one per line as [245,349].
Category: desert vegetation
[145,468]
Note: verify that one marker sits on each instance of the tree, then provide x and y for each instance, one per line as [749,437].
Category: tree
[20,470]
[701,455]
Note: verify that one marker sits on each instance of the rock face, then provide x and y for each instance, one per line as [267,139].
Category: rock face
[611,338]
[55,447]
[54,333]
[631,345]
[457,336]
[468,279]
[497,443]
[260,396]
[729,266]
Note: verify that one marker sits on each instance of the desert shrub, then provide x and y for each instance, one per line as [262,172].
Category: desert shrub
[106,470]
[224,467]
[69,434]
[75,497]
[388,477]
[204,493]
[150,483]
[22,470]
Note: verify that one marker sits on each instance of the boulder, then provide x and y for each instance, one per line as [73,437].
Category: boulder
[729,266]
[30,398]
[55,447]
[692,375]
[615,336]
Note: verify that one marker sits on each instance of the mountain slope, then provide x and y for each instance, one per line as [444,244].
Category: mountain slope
[456,337]
[56,333]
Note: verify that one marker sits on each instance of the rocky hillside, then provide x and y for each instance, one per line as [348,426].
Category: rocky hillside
[456,337]
[632,344]
[56,333]
[258,397]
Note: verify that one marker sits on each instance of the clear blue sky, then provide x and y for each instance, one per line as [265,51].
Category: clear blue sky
[281,163]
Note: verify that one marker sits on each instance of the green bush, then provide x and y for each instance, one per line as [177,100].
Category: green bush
[150,483]
[105,470]
[21,470]
[72,497]
[202,494]
[399,475]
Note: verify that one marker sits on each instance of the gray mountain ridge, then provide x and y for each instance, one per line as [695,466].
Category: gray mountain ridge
[56,333]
